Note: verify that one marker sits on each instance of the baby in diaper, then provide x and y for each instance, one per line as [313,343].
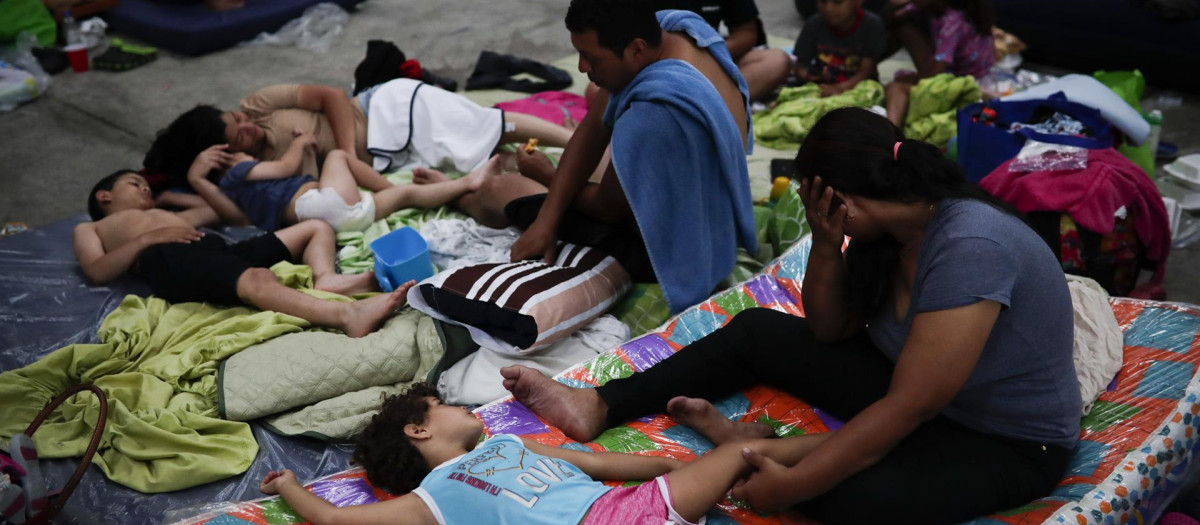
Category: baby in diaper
[274,194]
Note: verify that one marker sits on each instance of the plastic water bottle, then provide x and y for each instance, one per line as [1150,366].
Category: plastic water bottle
[71,30]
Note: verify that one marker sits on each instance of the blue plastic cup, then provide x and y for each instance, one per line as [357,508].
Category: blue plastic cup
[401,256]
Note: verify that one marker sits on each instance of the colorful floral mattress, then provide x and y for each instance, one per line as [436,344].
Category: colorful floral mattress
[1135,450]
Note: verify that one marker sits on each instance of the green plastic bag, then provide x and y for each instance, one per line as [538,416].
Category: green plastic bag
[1130,85]
[26,15]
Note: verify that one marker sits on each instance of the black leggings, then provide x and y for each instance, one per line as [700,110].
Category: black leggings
[941,473]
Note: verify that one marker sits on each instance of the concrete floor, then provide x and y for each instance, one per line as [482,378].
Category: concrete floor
[87,125]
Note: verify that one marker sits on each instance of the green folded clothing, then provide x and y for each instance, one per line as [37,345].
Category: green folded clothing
[797,109]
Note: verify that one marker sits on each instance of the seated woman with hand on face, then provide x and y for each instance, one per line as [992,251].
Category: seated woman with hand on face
[942,336]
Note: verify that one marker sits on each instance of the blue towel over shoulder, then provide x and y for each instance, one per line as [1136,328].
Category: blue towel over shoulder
[679,156]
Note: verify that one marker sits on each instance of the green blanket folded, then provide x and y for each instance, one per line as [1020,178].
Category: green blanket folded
[157,362]
[797,109]
[933,107]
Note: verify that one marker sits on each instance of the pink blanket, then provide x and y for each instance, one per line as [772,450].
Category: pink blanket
[1091,196]
[553,106]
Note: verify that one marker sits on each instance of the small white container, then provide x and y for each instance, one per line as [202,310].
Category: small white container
[1186,171]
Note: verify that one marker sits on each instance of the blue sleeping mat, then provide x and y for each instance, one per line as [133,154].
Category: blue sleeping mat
[194,30]
[47,305]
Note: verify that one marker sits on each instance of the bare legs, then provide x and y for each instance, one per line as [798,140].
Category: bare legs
[260,288]
[528,126]
[897,94]
[430,194]
[764,70]
[496,190]
[580,412]
[920,48]
[345,174]
[697,486]
[313,242]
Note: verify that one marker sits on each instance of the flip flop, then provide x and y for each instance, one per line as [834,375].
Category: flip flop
[117,59]
[137,50]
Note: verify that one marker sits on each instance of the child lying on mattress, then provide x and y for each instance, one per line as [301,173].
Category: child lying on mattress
[431,450]
[183,264]
[281,192]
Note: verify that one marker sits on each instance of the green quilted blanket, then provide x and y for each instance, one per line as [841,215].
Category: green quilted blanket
[797,109]
[933,106]
[157,363]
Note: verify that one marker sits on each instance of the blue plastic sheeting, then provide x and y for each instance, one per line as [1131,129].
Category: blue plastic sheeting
[191,28]
[46,304]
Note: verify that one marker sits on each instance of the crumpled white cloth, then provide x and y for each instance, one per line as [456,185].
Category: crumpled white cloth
[476,379]
[454,243]
[1099,342]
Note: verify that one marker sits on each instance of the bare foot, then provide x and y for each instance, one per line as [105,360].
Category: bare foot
[578,412]
[428,176]
[475,179]
[363,317]
[703,417]
[347,284]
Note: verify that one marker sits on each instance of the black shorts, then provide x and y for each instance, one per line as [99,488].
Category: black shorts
[623,241]
[206,270]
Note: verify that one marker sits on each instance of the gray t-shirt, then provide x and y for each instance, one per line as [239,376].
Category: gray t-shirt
[821,47]
[1024,385]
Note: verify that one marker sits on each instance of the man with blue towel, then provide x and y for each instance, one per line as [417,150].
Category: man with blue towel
[678,122]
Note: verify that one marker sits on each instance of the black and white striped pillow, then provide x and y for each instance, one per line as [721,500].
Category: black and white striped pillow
[525,305]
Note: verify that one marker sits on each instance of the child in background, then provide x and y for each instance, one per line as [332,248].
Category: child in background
[181,264]
[941,36]
[431,451]
[272,194]
[839,46]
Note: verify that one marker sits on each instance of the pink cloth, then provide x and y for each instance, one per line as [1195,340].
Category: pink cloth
[959,46]
[1177,518]
[549,105]
[645,504]
[1091,196]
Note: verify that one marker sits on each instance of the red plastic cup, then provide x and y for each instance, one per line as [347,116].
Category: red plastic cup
[78,55]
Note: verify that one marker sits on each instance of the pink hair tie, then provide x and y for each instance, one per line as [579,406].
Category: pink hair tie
[896,151]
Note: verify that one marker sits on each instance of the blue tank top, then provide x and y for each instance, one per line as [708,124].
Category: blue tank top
[502,482]
[263,201]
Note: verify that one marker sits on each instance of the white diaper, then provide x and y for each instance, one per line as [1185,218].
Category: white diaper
[327,205]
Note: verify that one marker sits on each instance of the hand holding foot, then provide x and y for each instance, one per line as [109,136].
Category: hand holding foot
[578,412]
[363,317]
[703,417]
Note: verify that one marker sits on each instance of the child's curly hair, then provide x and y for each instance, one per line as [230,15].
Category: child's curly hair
[392,462]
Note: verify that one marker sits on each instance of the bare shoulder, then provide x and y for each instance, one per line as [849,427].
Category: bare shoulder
[85,227]
[680,46]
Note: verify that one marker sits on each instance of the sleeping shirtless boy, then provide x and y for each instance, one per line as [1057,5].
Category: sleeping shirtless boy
[182,264]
